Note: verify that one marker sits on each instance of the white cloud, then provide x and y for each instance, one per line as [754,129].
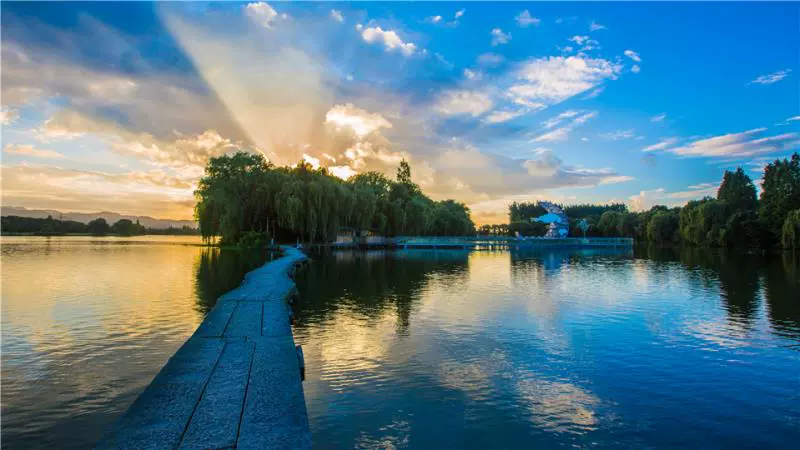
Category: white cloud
[499,37]
[457,102]
[594,26]
[390,40]
[619,135]
[337,15]
[633,55]
[562,133]
[262,13]
[343,172]
[530,104]
[586,43]
[661,145]
[771,77]
[658,118]
[360,121]
[646,199]
[187,154]
[553,121]
[546,164]
[433,19]
[467,158]
[490,59]
[703,186]
[8,116]
[636,68]
[524,19]
[580,40]
[788,121]
[314,162]
[559,134]
[594,93]
[472,75]
[503,115]
[29,150]
[52,130]
[616,179]
[445,63]
[460,13]
[555,79]
[742,144]
[580,120]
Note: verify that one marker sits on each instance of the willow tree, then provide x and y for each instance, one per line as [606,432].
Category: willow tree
[225,194]
[243,197]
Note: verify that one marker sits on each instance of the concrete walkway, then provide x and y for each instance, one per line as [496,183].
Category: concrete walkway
[235,383]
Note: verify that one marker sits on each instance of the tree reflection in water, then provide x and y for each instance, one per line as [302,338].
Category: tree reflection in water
[386,280]
[743,281]
[219,270]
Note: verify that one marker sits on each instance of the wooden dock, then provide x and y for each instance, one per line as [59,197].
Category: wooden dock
[236,383]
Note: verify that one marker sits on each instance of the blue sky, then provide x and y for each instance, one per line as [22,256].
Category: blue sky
[118,106]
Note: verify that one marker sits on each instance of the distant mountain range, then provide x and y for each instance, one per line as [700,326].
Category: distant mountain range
[111,217]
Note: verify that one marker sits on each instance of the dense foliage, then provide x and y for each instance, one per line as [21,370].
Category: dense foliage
[125,227]
[781,193]
[17,224]
[790,235]
[587,210]
[735,218]
[96,227]
[247,200]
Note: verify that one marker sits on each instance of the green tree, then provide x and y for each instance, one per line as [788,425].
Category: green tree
[98,227]
[607,225]
[738,191]
[587,210]
[626,224]
[404,173]
[703,222]
[125,227]
[243,198]
[790,235]
[662,227]
[780,193]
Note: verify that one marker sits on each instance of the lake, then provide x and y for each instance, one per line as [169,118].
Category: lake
[87,322]
[425,349]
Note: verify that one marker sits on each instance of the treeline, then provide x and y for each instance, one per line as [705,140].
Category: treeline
[244,199]
[97,227]
[521,213]
[737,217]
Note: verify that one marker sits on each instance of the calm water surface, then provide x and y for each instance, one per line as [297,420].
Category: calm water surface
[539,350]
[420,349]
[87,323]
